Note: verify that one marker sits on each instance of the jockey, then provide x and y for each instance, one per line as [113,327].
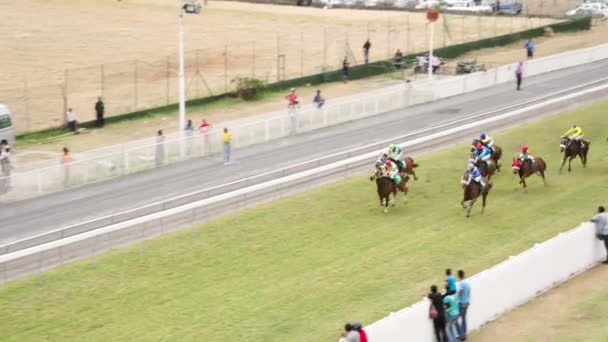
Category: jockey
[526,155]
[381,160]
[395,153]
[484,153]
[476,175]
[392,171]
[575,133]
[487,140]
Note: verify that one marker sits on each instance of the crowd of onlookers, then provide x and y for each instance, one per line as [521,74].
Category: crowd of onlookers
[448,309]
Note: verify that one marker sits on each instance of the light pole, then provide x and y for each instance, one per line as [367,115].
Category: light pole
[190,7]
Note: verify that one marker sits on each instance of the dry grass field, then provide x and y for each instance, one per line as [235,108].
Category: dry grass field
[66,52]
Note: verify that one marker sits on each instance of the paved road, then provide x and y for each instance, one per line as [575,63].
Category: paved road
[33,216]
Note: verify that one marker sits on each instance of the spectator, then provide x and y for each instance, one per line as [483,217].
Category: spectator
[436,63]
[450,282]
[359,328]
[452,313]
[203,129]
[398,59]
[5,166]
[189,129]
[160,148]
[437,313]
[227,140]
[519,74]
[529,48]
[601,228]
[366,48]
[66,161]
[318,100]
[464,296]
[345,69]
[349,334]
[71,119]
[99,111]
[292,98]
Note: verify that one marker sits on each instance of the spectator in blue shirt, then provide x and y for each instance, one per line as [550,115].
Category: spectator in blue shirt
[464,295]
[529,48]
[450,281]
[318,100]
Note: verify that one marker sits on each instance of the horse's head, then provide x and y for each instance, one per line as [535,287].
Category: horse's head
[516,165]
[474,144]
[377,173]
[563,143]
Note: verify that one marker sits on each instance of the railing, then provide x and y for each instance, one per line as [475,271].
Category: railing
[493,291]
[127,159]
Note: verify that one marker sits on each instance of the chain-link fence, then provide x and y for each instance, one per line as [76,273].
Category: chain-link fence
[40,102]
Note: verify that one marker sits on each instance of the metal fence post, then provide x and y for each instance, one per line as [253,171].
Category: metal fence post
[135,95]
[225,68]
[65,94]
[278,57]
[253,59]
[301,54]
[26,104]
[103,80]
[168,78]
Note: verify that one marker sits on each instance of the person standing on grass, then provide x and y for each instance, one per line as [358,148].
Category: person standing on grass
[99,112]
[366,48]
[464,297]
[226,140]
[70,117]
[437,314]
[452,313]
[601,228]
[519,74]
[450,282]
[529,48]
[345,69]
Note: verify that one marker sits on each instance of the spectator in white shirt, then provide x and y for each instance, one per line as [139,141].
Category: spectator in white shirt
[601,228]
[71,119]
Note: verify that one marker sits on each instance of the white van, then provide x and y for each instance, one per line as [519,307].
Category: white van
[7,132]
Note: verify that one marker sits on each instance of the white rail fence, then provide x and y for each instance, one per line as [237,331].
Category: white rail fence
[130,158]
[495,291]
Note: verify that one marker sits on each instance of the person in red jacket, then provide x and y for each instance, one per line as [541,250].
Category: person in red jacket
[359,328]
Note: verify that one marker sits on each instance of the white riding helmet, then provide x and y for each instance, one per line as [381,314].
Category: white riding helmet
[470,167]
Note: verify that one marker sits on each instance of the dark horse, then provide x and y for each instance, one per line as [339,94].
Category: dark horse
[496,152]
[386,186]
[486,171]
[571,149]
[526,168]
[472,190]
[410,165]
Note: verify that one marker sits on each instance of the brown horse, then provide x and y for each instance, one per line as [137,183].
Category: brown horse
[472,190]
[486,171]
[386,187]
[496,153]
[571,149]
[526,168]
[410,165]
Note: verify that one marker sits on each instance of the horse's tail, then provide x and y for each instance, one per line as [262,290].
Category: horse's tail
[415,165]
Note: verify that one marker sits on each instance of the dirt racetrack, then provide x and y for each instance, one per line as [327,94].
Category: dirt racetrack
[65,53]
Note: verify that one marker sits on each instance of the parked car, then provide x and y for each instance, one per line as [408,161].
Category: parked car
[594,9]
[405,4]
[511,7]
[7,132]
[467,6]
[429,4]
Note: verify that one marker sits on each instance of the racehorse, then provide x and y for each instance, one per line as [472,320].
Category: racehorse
[472,190]
[410,165]
[386,186]
[571,148]
[486,171]
[496,152]
[527,168]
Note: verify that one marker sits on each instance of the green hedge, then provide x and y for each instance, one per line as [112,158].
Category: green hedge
[356,72]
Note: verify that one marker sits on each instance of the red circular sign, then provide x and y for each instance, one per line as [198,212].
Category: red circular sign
[432,14]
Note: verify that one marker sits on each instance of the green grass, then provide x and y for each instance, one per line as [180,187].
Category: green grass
[298,268]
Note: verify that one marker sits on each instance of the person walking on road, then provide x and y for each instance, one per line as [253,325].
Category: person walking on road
[529,48]
[66,162]
[203,129]
[71,119]
[366,48]
[5,166]
[99,112]
[318,99]
[464,296]
[226,140]
[601,228]
[519,74]
[159,156]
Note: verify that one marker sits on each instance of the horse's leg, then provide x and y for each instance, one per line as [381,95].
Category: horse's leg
[563,163]
[542,174]
[570,164]
[583,160]
[484,197]
[386,199]
[471,203]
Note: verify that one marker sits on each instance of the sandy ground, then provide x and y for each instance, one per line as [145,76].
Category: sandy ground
[122,132]
[566,313]
[65,53]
